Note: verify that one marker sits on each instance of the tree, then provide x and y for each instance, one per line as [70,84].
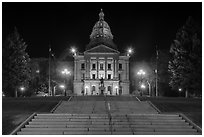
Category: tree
[185,65]
[15,61]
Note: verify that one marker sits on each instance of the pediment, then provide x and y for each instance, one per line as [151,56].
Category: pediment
[101,49]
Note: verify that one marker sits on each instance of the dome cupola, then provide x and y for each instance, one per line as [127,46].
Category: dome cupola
[101,34]
[101,28]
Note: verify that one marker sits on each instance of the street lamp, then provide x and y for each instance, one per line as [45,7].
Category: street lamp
[65,72]
[180,89]
[143,73]
[62,86]
[129,51]
[73,51]
[22,88]
[143,86]
[37,71]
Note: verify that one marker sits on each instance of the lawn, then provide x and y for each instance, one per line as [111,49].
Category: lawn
[191,107]
[16,110]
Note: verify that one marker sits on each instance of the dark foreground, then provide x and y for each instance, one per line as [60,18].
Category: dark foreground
[191,107]
[16,110]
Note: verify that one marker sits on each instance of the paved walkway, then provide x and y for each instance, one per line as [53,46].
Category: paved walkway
[103,105]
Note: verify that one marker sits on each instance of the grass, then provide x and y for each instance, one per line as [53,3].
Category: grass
[191,107]
[16,110]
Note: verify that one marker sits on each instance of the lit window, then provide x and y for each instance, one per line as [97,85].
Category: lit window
[101,66]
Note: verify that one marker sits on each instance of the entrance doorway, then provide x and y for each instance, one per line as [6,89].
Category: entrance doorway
[93,90]
[102,90]
[110,90]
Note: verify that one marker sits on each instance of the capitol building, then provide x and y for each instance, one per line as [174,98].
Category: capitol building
[101,68]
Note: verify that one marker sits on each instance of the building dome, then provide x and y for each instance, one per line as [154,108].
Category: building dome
[101,34]
[101,28]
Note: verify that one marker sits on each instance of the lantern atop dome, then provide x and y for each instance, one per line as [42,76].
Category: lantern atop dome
[101,15]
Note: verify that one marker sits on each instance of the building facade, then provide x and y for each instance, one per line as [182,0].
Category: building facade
[101,69]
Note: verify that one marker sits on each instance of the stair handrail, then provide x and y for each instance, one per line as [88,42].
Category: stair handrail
[190,122]
[18,128]
[158,111]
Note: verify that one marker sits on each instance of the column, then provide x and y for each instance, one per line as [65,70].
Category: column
[127,75]
[105,68]
[97,68]
[89,68]
[113,68]
[75,70]
[116,68]
[86,74]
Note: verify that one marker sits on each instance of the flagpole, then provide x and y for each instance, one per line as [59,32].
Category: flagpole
[49,73]
[156,71]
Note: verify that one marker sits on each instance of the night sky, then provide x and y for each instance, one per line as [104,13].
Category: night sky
[139,25]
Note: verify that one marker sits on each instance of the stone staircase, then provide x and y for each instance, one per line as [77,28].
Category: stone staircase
[107,124]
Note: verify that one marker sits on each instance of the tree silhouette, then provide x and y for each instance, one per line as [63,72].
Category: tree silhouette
[15,70]
[185,65]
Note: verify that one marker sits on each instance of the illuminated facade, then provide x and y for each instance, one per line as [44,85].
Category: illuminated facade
[101,69]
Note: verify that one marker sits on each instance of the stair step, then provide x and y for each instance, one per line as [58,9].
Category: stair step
[105,123]
[80,117]
[60,122]
[46,126]
[93,124]
[105,133]
[74,120]
[55,129]
[106,120]
[122,133]
[114,129]
[75,115]
[152,126]
[177,129]
[166,133]
[64,126]
[41,133]
[88,133]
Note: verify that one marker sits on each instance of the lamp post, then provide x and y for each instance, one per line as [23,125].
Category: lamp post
[62,86]
[65,72]
[22,88]
[129,51]
[156,71]
[142,73]
[73,51]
